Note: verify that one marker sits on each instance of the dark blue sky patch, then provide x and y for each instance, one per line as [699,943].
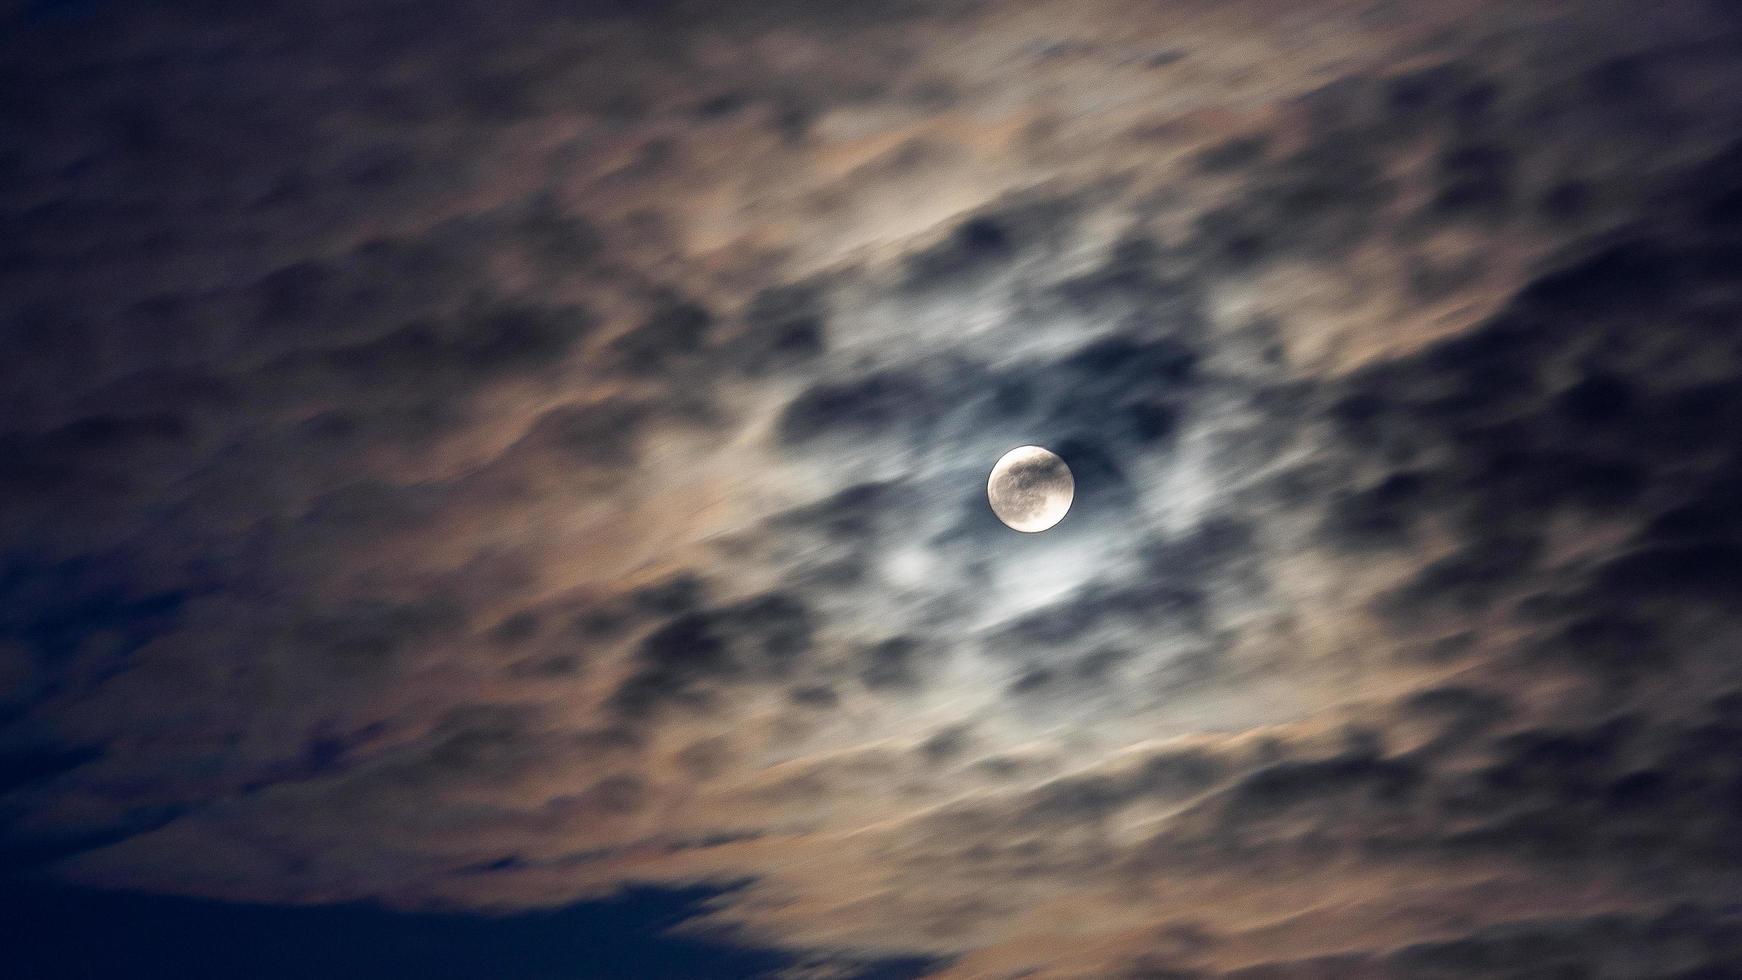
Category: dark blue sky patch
[57,932]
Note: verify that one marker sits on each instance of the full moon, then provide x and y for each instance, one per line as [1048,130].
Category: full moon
[1030,489]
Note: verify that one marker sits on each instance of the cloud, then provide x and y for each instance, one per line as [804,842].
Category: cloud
[498,473]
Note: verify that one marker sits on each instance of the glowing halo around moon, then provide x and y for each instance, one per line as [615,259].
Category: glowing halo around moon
[1030,489]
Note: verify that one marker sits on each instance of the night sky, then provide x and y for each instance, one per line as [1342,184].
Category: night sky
[498,489]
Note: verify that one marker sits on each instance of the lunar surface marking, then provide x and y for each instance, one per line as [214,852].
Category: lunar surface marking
[1030,489]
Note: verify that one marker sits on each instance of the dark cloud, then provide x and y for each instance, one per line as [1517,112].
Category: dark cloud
[675,331]
[1321,199]
[853,514]
[1685,941]
[684,659]
[784,327]
[891,663]
[433,360]
[588,435]
[977,244]
[879,405]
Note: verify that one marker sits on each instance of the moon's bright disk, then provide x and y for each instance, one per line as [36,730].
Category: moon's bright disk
[1030,489]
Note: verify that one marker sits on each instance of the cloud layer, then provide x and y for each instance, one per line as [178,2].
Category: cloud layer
[488,457]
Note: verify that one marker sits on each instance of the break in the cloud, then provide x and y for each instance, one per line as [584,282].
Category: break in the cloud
[487,457]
